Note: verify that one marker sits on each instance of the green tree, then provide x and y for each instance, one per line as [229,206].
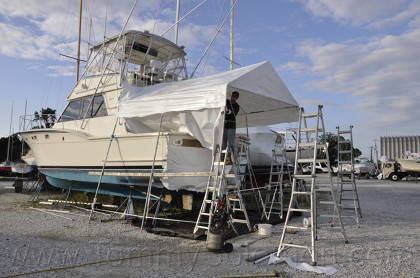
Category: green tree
[15,150]
[46,118]
[331,140]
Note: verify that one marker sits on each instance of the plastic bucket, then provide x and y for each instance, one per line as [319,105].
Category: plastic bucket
[306,222]
[214,242]
[264,229]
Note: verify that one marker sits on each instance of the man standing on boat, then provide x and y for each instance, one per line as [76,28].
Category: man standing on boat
[229,133]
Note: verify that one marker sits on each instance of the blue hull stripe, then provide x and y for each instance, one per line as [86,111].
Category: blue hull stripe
[110,185]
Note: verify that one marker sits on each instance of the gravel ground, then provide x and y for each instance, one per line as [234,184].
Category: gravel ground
[387,244]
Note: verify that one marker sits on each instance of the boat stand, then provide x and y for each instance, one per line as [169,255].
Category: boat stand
[129,209]
[41,185]
[67,193]
[31,185]
[157,203]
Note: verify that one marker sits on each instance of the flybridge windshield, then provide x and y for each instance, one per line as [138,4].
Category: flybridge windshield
[142,58]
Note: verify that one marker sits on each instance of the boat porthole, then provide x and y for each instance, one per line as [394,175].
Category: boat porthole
[177,142]
[47,136]
[62,138]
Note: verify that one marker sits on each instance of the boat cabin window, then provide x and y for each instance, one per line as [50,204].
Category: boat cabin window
[97,109]
[76,109]
[71,112]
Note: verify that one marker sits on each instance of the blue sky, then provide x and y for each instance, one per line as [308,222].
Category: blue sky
[358,58]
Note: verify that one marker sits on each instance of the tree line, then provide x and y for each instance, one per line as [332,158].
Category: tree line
[45,118]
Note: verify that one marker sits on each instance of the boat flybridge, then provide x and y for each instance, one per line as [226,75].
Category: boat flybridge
[138,58]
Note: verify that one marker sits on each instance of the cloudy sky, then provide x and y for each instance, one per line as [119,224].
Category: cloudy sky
[360,59]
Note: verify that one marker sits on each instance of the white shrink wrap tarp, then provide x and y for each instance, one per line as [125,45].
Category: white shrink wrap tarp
[195,105]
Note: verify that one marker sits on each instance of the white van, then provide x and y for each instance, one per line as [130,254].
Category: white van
[320,167]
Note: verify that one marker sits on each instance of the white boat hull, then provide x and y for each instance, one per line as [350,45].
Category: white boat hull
[29,158]
[69,158]
[21,168]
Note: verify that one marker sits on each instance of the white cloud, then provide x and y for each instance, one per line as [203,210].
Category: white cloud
[19,42]
[356,12]
[42,29]
[312,102]
[62,70]
[293,66]
[408,14]
[381,73]
[34,66]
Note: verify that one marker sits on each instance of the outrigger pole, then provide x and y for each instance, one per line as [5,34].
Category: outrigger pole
[177,21]
[214,37]
[78,42]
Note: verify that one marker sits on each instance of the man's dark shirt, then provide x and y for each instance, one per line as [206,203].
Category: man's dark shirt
[230,119]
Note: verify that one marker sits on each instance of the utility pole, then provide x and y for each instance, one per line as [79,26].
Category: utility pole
[376,152]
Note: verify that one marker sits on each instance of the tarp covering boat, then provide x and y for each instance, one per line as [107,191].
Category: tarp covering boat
[194,106]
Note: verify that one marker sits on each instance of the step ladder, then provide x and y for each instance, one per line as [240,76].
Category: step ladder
[319,189]
[303,152]
[236,207]
[212,193]
[247,177]
[220,187]
[348,198]
[279,176]
[242,175]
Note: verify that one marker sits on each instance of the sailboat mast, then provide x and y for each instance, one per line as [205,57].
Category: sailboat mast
[78,42]
[176,22]
[231,36]
[24,126]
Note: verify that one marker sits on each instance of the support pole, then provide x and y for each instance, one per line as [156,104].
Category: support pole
[149,188]
[103,170]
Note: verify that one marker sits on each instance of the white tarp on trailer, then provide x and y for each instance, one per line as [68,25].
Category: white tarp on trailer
[194,106]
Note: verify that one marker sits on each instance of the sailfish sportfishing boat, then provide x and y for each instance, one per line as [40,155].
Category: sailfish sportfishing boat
[134,110]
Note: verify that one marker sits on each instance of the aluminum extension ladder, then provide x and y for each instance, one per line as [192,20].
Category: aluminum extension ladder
[348,198]
[246,175]
[279,168]
[218,188]
[315,140]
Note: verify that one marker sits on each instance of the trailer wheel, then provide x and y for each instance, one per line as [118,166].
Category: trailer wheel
[394,177]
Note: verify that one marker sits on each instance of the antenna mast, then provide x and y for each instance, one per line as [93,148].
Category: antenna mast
[78,42]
